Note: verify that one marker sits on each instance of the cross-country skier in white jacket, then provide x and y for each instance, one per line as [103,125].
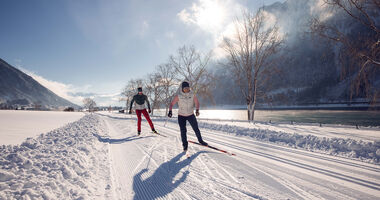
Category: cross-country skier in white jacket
[186,100]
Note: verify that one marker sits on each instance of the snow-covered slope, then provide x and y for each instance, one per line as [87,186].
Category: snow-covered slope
[100,157]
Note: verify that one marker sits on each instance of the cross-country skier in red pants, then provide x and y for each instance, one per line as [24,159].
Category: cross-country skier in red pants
[139,99]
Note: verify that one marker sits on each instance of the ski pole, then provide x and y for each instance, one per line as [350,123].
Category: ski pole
[166,121]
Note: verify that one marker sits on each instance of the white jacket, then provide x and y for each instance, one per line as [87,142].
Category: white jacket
[185,103]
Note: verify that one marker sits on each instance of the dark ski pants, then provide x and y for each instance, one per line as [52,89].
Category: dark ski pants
[146,115]
[182,125]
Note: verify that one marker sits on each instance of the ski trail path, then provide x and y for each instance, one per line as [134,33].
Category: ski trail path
[154,167]
[136,172]
[123,159]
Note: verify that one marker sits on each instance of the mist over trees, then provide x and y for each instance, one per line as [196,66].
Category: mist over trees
[314,65]
[360,44]
[313,69]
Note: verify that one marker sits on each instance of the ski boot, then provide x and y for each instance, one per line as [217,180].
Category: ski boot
[203,143]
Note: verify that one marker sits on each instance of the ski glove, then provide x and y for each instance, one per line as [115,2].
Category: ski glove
[149,111]
[170,114]
[130,112]
[197,112]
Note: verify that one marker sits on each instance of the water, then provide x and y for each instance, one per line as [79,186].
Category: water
[360,118]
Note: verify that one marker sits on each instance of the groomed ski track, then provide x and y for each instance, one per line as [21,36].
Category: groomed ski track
[154,167]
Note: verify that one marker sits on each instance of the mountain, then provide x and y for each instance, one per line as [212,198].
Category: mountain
[315,69]
[312,70]
[19,89]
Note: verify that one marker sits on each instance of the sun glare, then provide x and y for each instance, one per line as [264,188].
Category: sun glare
[210,14]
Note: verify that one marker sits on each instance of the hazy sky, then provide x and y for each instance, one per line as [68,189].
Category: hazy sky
[93,47]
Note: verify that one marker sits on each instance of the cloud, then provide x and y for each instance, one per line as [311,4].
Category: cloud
[75,94]
[211,15]
[321,9]
[215,17]
[218,18]
[184,15]
[269,19]
[109,95]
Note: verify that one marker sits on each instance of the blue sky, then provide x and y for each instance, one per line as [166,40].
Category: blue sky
[93,47]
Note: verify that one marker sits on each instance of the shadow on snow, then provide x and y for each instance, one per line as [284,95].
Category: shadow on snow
[118,141]
[162,182]
[119,118]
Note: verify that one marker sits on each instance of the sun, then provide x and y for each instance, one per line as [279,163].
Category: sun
[210,14]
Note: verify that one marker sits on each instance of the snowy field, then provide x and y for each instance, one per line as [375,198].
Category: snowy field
[17,125]
[100,157]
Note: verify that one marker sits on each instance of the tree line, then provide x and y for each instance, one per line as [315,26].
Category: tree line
[249,53]
[253,54]
[162,84]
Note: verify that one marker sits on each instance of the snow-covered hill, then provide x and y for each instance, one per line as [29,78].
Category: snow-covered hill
[100,157]
[19,89]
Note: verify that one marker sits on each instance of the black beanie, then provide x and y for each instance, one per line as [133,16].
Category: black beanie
[139,89]
[185,84]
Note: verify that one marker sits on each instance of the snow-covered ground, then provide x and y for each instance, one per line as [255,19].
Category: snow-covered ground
[100,157]
[17,125]
[325,130]
[66,163]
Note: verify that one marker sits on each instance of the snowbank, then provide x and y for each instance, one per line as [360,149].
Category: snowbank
[66,163]
[368,151]
[346,147]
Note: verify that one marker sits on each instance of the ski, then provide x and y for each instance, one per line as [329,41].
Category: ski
[215,148]
[159,134]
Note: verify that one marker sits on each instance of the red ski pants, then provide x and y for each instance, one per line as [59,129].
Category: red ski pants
[146,115]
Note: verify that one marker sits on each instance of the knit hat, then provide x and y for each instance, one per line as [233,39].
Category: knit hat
[185,84]
[139,89]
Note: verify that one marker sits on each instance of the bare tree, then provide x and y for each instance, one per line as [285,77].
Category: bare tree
[130,90]
[166,73]
[251,53]
[362,52]
[153,90]
[191,65]
[89,104]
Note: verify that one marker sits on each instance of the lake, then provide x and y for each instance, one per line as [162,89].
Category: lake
[361,118]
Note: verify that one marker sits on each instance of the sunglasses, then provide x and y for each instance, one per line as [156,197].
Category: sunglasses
[186,89]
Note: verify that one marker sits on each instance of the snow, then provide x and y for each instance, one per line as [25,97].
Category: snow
[66,163]
[100,157]
[17,125]
[338,140]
